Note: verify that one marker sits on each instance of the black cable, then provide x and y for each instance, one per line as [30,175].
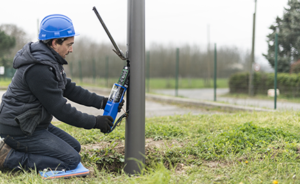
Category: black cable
[118,121]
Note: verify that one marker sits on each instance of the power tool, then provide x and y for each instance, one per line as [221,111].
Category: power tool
[118,90]
[116,95]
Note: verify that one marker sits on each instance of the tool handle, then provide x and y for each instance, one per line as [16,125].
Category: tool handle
[117,50]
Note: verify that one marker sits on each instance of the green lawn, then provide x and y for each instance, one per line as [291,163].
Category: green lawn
[4,82]
[241,147]
[157,83]
[187,83]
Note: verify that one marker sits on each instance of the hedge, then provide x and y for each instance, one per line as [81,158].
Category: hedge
[288,84]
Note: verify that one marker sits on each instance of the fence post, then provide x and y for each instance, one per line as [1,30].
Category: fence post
[176,72]
[148,71]
[275,68]
[71,69]
[80,71]
[106,70]
[94,71]
[215,74]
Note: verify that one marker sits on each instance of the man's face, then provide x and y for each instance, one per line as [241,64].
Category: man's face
[65,48]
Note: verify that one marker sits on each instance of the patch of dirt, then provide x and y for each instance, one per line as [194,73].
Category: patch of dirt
[180,168]
[118,148]
[99,146]
[162,144]
[214,164]
[115,167]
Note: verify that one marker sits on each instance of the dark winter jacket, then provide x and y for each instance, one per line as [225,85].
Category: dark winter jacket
[38,91]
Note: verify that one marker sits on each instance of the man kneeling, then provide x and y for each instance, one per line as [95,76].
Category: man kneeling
[37,92]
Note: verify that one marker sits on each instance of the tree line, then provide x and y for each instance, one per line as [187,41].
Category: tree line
[91,59]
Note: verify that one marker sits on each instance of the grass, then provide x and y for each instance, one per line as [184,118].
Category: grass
[4,82]
[185,83]
[240,147]
[156,83]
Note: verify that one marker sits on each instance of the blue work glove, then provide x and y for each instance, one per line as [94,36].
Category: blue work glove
[104,101]
[104,123]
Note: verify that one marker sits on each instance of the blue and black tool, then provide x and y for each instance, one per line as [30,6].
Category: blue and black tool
[116,96]
[118,90]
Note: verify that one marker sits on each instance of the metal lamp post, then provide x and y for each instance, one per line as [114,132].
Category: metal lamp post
[251,92]
[135,124]
[135,98]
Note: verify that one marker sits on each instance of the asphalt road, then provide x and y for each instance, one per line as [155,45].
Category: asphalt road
[208,95]
[152,109]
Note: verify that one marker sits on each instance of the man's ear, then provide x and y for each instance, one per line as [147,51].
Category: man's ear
[53,44]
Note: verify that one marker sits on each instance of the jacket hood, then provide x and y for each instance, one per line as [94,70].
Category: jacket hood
[35,53]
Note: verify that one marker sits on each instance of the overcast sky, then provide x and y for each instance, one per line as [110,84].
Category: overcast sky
[173,22]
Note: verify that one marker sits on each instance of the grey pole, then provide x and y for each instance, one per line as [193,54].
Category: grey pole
[135,123]
[251,90]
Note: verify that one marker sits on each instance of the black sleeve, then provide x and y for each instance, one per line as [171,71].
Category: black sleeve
[43,84]
[82,96]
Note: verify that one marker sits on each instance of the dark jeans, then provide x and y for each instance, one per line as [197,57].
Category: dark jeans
[50,148]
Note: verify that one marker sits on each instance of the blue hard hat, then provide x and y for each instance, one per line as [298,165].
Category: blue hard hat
[56,26]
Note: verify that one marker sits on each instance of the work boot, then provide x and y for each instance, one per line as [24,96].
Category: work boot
[4,150]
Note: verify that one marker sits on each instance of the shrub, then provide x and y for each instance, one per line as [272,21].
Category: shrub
[288,84]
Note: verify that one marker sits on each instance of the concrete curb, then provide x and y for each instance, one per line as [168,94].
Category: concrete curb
[203,104]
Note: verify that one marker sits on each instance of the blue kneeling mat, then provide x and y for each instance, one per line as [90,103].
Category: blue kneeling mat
[79,171]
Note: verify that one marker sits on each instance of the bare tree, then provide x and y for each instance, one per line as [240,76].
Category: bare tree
[19,34]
